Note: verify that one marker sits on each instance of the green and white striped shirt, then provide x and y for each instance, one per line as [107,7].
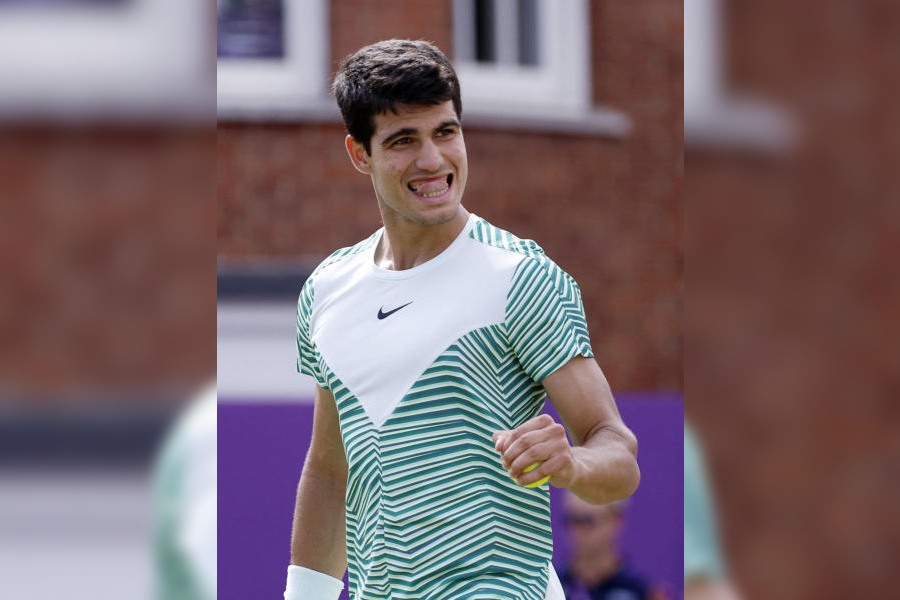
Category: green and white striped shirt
[425,364]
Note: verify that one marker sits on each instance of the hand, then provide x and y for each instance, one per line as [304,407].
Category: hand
[538,440]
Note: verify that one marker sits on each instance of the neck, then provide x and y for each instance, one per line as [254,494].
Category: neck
[405,245]
[593,569]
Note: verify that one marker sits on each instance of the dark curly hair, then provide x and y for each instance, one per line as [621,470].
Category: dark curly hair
[378,77]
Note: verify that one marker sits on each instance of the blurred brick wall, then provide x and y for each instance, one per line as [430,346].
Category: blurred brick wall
[791,361]
[108,288]
[608,211]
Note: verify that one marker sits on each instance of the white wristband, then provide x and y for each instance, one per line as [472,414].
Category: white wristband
[306,584]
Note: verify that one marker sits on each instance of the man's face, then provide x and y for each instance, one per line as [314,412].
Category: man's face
[593,529]
[417,163]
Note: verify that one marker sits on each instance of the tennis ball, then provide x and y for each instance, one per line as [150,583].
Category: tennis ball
[539,482]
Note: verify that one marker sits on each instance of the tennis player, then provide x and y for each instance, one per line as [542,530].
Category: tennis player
[434,342]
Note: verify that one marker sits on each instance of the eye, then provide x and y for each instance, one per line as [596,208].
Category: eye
[445,132]
[404,141]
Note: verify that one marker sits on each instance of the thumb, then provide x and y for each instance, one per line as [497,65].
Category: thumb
[499,438]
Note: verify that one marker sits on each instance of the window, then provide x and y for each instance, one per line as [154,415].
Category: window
[702,54]
[249,30]
[271,56]
[525,55]
[712,115]
[499,33]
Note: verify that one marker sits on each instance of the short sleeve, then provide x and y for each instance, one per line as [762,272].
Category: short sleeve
[701,549]
[545,318]
[307,353]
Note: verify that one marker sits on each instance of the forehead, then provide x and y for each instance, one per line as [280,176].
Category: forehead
[410,116]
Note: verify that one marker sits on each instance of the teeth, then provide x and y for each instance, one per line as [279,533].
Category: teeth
[430,186]
[436,193]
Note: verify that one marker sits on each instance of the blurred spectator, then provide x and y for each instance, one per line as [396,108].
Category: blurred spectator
[186,514]
[704,574]
[596,569]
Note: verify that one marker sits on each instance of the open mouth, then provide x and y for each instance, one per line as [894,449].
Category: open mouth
[431,188]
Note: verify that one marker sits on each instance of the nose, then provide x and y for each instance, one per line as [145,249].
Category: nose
[429,158]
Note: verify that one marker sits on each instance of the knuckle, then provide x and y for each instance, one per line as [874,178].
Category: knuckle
[530,437]
[529,456]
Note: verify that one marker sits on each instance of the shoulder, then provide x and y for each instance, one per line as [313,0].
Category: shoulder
[491,235]
[334,265]
[528,256]
[343,255]
[532,263]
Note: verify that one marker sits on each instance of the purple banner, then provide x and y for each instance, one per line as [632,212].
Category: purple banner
[261,452]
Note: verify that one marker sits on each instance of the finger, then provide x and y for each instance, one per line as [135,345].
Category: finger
[536,454]
[535,477]
[554,432]
[499,437]
[534,424]
[551,469]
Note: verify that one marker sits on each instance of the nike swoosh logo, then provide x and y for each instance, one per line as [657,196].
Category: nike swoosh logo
[385,315]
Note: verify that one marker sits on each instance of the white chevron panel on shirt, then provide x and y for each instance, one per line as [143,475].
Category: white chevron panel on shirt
[380,359]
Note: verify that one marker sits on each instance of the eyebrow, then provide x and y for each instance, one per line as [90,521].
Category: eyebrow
[399,133]
[412,131]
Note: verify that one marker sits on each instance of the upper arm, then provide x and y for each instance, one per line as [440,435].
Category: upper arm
[582,397]
[545,318]
[326,448]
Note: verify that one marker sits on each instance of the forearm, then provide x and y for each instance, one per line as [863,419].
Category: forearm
[606,466]
[318,540]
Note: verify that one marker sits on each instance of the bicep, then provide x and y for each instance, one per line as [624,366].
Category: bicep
[326,448]
[582,397]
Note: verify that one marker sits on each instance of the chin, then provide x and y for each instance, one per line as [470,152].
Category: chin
[444,214]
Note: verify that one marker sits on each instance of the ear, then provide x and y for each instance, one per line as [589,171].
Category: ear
[358,155]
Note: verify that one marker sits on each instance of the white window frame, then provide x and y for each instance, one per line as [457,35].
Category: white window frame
[702,56]
[142,59]
[560,82]
[292,86]
[712,115]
